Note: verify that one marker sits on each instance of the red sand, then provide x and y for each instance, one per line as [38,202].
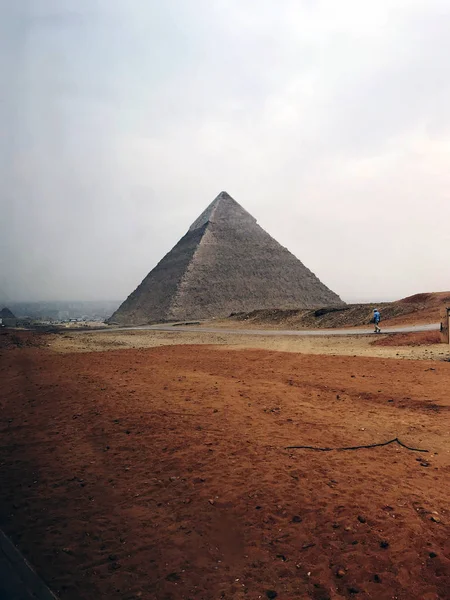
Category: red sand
[418,338]
[162,474]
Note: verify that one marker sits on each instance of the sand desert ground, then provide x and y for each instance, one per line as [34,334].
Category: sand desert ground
[150,465]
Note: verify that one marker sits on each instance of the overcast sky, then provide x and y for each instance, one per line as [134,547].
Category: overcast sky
[121,120]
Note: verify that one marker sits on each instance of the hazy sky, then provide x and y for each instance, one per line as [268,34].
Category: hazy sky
[121,120]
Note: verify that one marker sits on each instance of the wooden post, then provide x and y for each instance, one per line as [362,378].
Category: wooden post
[445,317]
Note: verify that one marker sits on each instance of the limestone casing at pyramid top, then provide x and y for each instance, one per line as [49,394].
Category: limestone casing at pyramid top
[225,203]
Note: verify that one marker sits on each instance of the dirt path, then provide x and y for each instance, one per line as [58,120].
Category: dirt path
[99,341]
[162,473]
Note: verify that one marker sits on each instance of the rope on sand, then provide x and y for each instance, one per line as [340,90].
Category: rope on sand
[394,441]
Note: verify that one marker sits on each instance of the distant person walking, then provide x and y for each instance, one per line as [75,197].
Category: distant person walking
[376,320]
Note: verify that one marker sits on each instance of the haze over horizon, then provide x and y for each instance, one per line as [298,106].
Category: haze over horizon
[122,121]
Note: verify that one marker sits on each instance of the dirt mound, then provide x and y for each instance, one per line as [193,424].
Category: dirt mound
[429,298]
[352,315]
[420,308]
[163,473]
[419,338]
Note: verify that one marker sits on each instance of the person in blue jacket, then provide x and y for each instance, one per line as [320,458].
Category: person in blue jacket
[376,320]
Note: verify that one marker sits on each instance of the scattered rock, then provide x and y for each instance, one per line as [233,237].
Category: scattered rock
[271,594]
[320,592]
[112,557]
[435,519]
[432,555]
[211,501]
[340,573]
[353,590]
[173,577]
[377,578]
[384,544]
[306,546]
[361,519]
[296,519]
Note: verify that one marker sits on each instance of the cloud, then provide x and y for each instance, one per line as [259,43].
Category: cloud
[328,121]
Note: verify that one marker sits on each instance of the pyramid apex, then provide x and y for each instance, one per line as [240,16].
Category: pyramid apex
[222,201]
[224,195]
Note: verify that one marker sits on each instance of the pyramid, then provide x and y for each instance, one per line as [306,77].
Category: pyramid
[5,313]
[225,263]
